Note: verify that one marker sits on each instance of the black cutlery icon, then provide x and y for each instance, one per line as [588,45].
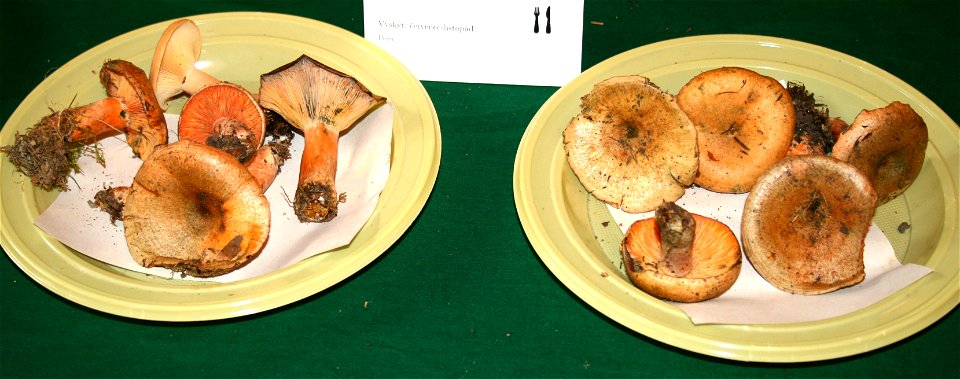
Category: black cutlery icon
[536,19]
[548,20]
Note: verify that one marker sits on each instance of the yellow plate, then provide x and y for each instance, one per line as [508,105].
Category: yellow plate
[237,47]
[563,225]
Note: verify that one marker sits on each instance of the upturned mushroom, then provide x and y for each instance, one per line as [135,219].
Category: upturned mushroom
[225,116]
[681,256]
[195,209]
[804,224]
[888,145]
[48,151]
[173,71]
[631,146]
[322,103]
[744,121]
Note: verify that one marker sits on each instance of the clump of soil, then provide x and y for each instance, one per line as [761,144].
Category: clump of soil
[279,135]
[812,119]
[111,201]
[46,155]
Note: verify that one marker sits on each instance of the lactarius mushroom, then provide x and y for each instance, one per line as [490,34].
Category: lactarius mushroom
[681,256]
[631,146]
[48,151]
[195,209]
[886,144]
[744,121]
[804,224]
[812,134]
[322,103]
[173,71]
[225,116]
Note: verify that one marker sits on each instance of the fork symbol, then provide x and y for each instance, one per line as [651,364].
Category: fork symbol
[536,19]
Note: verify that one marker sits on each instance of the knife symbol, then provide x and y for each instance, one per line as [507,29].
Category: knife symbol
[548,20]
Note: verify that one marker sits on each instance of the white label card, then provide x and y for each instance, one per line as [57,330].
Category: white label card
[490,41]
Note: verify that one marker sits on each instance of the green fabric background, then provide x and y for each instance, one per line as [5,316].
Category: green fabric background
[462,293]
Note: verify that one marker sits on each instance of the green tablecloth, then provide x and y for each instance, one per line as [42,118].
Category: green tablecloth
[453,297]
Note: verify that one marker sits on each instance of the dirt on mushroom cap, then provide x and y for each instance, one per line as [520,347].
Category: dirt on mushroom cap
[805,222]
[631,146]
[195,209]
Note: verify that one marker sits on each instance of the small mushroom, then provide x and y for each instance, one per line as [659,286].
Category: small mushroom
[173,71]
[804,224]
[147,128]
[886,144]
[631,146]
[744,121]
[322,103]
[681,256]
[225,116]
[195,209]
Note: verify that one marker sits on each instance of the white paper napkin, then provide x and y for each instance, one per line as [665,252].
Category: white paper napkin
[752,300]
[363,166]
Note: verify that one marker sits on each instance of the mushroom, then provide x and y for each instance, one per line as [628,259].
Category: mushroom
[322,103]
[172,70]
[225,116]
[147,127]
[631,146]
[744,121]
[804,224]
[681,256]
[888,145]
[195,209]
[48,151]
[812,132]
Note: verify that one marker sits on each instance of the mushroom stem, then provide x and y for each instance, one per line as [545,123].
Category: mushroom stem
[264,166]
[677,228]
[317,198]
[196,80]
[92,121]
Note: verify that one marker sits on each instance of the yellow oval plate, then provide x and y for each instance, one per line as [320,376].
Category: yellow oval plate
[237,47]
[563,225]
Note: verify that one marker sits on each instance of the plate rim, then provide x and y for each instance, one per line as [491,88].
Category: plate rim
[18,251]
[540,240]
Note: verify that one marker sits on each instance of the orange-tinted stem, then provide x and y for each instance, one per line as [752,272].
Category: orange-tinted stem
[97,119]
[264,166]
[317,198]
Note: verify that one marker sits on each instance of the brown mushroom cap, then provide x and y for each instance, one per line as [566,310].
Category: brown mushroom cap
[226,116]
[172,70]
[715,259]
[147,128]
[744,121]
[886,144]
[631,146]
[804,224]
[195,209]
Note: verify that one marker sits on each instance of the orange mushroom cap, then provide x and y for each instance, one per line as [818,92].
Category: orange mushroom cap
[226,116]
[147,127]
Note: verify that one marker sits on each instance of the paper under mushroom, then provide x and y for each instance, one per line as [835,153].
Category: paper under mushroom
[322,103]
[195,209]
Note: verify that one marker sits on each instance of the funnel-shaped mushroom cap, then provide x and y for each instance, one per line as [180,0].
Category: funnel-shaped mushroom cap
[804,224]
[172,70]
[226,116]
[745,124]
[147,127]
[888,145]
[715,261]
[195,209]
[306,93]
[631,146]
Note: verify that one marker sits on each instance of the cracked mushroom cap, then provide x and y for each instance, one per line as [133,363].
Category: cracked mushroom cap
[745,124]
[631,146]
[888,145]
[172,70]
[226,116]
[195,209]
[804,224]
